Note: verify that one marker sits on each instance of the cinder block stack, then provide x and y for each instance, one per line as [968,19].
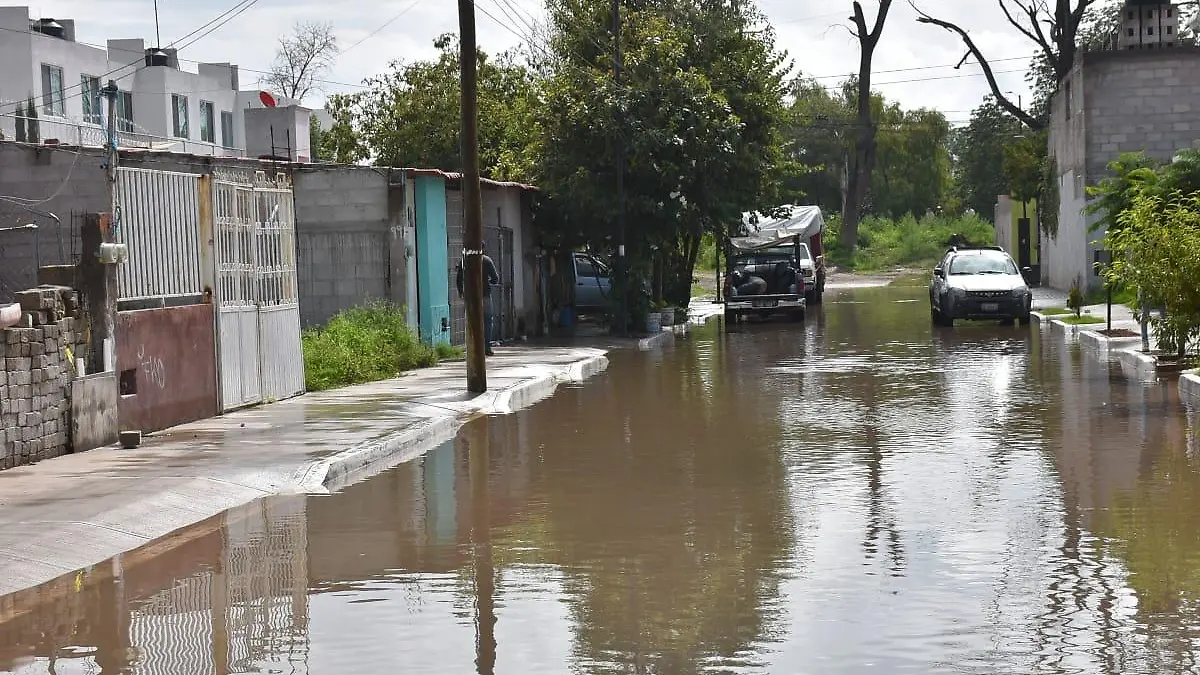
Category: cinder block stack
[35,380]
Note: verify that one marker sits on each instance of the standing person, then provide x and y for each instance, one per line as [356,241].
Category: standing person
[491,277]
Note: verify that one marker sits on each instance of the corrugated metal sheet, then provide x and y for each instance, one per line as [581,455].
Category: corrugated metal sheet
[159,220]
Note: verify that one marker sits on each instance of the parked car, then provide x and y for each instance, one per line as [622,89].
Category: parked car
[764,282]
[593,282]
[813,270]
[978,283]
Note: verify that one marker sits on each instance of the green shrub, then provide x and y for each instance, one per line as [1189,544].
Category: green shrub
[364,344]
[908,242]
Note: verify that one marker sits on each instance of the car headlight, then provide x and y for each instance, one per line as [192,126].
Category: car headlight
[1020,292]
[958,292]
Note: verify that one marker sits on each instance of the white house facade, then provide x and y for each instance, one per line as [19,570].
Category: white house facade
[159,105]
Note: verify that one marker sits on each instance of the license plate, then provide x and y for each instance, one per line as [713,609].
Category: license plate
[766,303]
[991,307]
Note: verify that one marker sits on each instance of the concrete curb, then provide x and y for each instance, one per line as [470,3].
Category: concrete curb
[1135,360]
[1189,389]
[358,462]
[1106,345]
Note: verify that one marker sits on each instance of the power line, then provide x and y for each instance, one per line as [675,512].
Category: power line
[213,29]
[920,68]
[382,26]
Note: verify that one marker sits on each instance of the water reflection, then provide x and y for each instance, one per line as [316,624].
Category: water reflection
[861,493]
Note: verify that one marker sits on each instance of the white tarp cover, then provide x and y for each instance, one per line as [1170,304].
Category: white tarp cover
[805,221]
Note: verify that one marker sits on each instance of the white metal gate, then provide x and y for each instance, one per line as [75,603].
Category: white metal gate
[258,312]
[159,219]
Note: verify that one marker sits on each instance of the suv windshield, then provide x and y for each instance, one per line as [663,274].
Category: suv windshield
[982,264]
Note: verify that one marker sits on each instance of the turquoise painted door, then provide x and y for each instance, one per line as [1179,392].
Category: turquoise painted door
[433,260]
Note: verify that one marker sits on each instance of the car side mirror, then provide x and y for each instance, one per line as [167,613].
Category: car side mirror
[939,272]
[1027,270]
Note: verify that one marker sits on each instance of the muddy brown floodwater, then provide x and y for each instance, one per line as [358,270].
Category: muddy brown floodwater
[857,494]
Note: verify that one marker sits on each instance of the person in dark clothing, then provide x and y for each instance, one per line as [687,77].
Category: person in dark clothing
[491,278]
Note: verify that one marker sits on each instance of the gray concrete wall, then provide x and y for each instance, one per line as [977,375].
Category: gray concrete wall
[1111,103]
[342,239]
[1140,101]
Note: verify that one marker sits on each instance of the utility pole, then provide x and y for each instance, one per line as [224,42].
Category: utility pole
[621,266]
[472,203]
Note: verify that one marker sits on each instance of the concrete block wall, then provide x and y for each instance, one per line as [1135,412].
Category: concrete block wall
[1140,101]
[35,381]
[342,240]
[62,181]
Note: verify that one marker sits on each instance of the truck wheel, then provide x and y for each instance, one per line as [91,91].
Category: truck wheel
[730,317]
[797,316]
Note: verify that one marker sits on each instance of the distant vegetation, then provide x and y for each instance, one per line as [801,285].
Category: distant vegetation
[366,344]
[884,243]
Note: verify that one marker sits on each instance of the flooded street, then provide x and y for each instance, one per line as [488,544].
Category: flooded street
[857,494]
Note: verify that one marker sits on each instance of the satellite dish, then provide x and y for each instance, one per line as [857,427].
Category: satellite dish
[267,99]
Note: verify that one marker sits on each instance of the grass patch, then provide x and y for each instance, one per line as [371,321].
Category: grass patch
[1053,311]
[366,344]
[1121,296]
[884,243]
[1084,320]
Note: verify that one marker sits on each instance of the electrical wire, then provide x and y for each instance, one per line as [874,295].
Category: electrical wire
[382,26]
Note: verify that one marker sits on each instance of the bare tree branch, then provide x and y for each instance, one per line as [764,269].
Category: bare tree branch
[1029,120]
[302,58]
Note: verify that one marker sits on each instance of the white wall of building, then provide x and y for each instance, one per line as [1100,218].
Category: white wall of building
[1003,224]
[22,53]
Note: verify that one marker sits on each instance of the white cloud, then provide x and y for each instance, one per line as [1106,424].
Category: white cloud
[815,35]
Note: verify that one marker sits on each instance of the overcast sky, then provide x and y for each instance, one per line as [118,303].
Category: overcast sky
[921,58]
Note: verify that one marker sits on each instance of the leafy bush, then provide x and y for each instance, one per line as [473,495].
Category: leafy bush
[1075,299]
[909,241]
[365,344]
[1156,250]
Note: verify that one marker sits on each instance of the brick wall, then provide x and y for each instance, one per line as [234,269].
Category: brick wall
[35,382]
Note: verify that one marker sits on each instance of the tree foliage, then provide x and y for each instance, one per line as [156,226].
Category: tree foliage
[698,113]
[301,59]
[1024,162]
[1156,251]
[913,161]
[978,150]
[410,116]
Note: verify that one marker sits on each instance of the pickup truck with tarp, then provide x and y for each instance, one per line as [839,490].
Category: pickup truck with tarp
[777,267]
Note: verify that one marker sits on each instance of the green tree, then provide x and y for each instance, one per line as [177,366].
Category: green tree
[22,134]
[1156,252]
[410,116]
[818,145]
[1129,175]
[33,128]
[912,173]
[341,142]
[978,156]
[698,115]
[1024,161]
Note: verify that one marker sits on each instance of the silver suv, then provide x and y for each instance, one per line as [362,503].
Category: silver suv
[978,283]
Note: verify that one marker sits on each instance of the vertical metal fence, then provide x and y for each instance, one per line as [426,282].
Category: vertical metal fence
[159,220]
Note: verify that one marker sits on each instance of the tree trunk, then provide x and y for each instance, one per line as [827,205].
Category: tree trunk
[863,162]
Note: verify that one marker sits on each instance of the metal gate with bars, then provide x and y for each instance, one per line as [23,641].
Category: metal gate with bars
[159,219]
[258,310]
[498,244]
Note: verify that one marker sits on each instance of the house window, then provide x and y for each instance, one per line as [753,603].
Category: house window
[89,89]
[1150,30]
[125,111]
[1169,30]
[1169,12]
[208,131]
[53,102]
[179,115]
[1130,32]
[227,129]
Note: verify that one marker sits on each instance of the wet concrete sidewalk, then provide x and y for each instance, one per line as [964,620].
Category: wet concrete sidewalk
[65,514]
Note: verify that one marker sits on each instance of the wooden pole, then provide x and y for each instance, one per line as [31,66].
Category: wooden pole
[472,204]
